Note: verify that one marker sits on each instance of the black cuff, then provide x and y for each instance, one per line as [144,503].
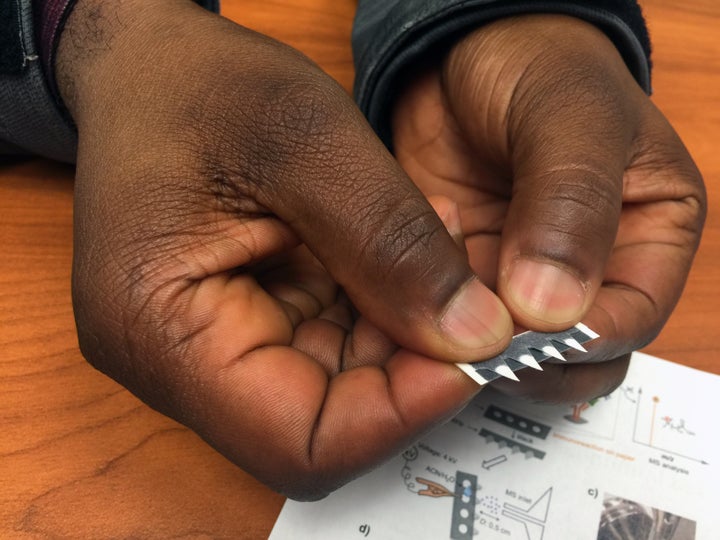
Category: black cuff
[389,36]
[12,52]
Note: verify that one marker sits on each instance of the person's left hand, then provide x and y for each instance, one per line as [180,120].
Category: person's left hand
[577,198]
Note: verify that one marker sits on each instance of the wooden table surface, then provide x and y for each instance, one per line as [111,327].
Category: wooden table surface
[82,458]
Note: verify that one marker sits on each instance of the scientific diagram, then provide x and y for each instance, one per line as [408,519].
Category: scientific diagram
[505,469]
[508,514]
[664,424]
[502,436]
[477,504]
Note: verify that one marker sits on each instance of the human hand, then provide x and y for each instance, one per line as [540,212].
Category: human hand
[577,198]
[228,196]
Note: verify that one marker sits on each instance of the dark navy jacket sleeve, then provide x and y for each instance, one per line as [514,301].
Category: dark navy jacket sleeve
[389,36]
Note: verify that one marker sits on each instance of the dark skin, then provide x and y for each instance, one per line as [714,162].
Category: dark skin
[577,198]
[251,261]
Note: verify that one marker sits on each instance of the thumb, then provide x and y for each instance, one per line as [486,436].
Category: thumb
[378,236]
[567,123]
[399,264]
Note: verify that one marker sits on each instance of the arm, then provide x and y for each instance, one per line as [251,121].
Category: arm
[577,199]
[233,210]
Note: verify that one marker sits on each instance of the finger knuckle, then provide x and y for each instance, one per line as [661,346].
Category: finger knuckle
[574,209]
[308,489]
[409,245]
[301,478]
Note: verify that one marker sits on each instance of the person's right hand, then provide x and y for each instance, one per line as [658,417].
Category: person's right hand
[228,196]
[578,200]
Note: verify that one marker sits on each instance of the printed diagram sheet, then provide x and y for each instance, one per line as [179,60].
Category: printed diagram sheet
[639,464]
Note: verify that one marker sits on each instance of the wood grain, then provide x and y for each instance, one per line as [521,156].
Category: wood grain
[82,458]
[686,82]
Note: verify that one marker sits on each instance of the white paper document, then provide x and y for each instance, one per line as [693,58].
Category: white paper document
[639,464]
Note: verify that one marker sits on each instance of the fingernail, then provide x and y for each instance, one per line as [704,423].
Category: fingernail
[545,291]
[476,318]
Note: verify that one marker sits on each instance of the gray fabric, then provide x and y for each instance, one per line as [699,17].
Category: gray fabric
[12,55]
[29,118]
[7,149]
[30,121]
[389,36]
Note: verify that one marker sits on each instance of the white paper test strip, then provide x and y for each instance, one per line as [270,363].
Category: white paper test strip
[529,349]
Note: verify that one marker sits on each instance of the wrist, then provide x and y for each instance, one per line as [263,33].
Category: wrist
[106,52]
